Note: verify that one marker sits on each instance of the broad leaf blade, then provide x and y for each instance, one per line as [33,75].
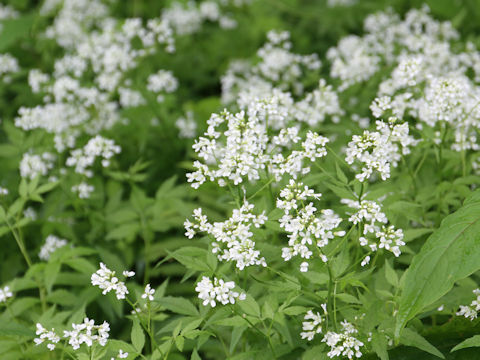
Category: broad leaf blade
[411,338]
[451,253]
[474,341]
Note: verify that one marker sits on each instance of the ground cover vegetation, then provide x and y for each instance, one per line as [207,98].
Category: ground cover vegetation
[239,179]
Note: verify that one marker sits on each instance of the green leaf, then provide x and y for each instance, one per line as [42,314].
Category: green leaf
[179,342]
[195,355]
[192,258]
[237,333]
[340,174]
[411,338]
[250,306]
[81,265]
[474,341]
[14,29]
[179,305]
[391,275]
[451,253]
[51,272]
[137,336]
[379,345]
[8,328]
[295,310]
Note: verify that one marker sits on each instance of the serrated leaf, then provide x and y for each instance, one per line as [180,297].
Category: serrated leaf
[451,253]
[137,336]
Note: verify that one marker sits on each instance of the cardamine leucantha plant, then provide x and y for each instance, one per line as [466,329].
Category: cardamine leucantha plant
[239,179]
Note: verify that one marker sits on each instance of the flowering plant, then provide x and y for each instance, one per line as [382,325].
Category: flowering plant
[204,180]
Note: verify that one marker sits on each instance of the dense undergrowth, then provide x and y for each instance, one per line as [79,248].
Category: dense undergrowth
[239,179]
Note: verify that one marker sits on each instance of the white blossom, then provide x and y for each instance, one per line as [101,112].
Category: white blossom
[52,243]
[5,294]
[46,335]
[87,333]
[217,290]
[106,280]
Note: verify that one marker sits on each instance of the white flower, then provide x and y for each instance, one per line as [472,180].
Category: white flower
[162,81]
[87,333]
[366,260]
[374,222]
[217,291]
[471,311]
[148,294]
[106,280]
[44,335]
[379,150]
[121,355]
[233,237]
[5,293]
[52,243]
[187,126]
[304,266]
[304,227]
[344,343]
[32,165]
[312,325]
[83,189]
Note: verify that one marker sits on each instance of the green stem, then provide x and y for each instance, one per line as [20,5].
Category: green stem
[24,252]
[145,327]
[331,309]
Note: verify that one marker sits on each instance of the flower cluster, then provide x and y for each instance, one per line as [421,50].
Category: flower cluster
[187,126]
[33,165]
[162,81]
[312,324]
[369,214]
[5,294]
[87,333]
[233,237]
[106,280]
[52,243]
[45,335]
[306,230]
[358,58]
[471,311]
[187,18]
[8,65]
[341,343]
[217,290]
[97,147]
[380,150]
[7,12]
[249,146]
[278,68]
[430,80]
